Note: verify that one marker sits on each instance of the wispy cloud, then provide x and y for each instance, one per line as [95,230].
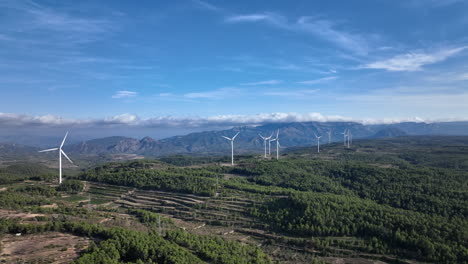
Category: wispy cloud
[320,80]
[136,67]
[61,26]
[214,94]
[52,20]
[437,100]
[431,3]
[124,94]
[293,93]
[269,82]
[268,17]
[206,5]
[448,77]
[413,61]
[324,29]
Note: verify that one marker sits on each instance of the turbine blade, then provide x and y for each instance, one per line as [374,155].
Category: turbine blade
[66,156]
[47,150]
[226,138]
[63,141]
[235,135]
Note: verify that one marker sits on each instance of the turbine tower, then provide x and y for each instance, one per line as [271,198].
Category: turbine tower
[61,152]
[265,139]
[269,144]
[277,144]
[349,136]
[344,136]
[232,147]
[329,136]
[318,142]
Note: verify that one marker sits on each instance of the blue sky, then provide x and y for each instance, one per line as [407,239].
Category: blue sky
[179,62]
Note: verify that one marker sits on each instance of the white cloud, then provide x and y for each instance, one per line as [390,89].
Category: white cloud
[214,94]
[269,82]
[321,28]
[327,30]
[206,5]
[413,61]
[122,119]
[293,93]
[63,27]
[10,120]
[320,80]
[124,94]
[270,17]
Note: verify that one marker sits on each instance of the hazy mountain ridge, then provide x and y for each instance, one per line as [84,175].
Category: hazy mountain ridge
[211,142]
[389,132]
[291,135]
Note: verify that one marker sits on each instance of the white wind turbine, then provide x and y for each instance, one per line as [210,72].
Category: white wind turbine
[269,144]
[61,152]
[329,136]
[232,147]
[344,137]
[349,136]
[318,142]
[277,144]
[265,139]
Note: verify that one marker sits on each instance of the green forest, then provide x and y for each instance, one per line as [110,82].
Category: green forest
[370,200]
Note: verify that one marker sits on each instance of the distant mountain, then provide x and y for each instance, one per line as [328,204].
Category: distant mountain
[38,141]
[12,151]
[211,142]
[291,135]
[108,145]
[294,134]
[390,132]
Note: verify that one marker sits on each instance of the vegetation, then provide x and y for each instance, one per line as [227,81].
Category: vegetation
[143,174]
[24,171]
[386,229]
[71,186]
[120,245]
[383,199]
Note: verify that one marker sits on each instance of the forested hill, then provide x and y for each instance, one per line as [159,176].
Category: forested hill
[397,200]
[291,134]
[405,197]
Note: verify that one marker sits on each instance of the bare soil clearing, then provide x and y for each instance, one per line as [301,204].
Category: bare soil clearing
[42,248]
[14,214]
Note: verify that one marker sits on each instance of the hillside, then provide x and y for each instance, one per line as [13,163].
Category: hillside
[397,200]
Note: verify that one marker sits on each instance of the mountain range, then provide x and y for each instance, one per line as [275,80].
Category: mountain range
[291,135]
[211,142]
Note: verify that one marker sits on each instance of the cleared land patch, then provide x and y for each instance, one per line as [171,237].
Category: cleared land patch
[51,247]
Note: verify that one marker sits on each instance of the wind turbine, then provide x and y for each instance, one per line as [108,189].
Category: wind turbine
[277,144]
[61,152]
[344,137]
[329,136]
[265,139]
[232,146]
[318,142]
[349,137]
[269,144]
